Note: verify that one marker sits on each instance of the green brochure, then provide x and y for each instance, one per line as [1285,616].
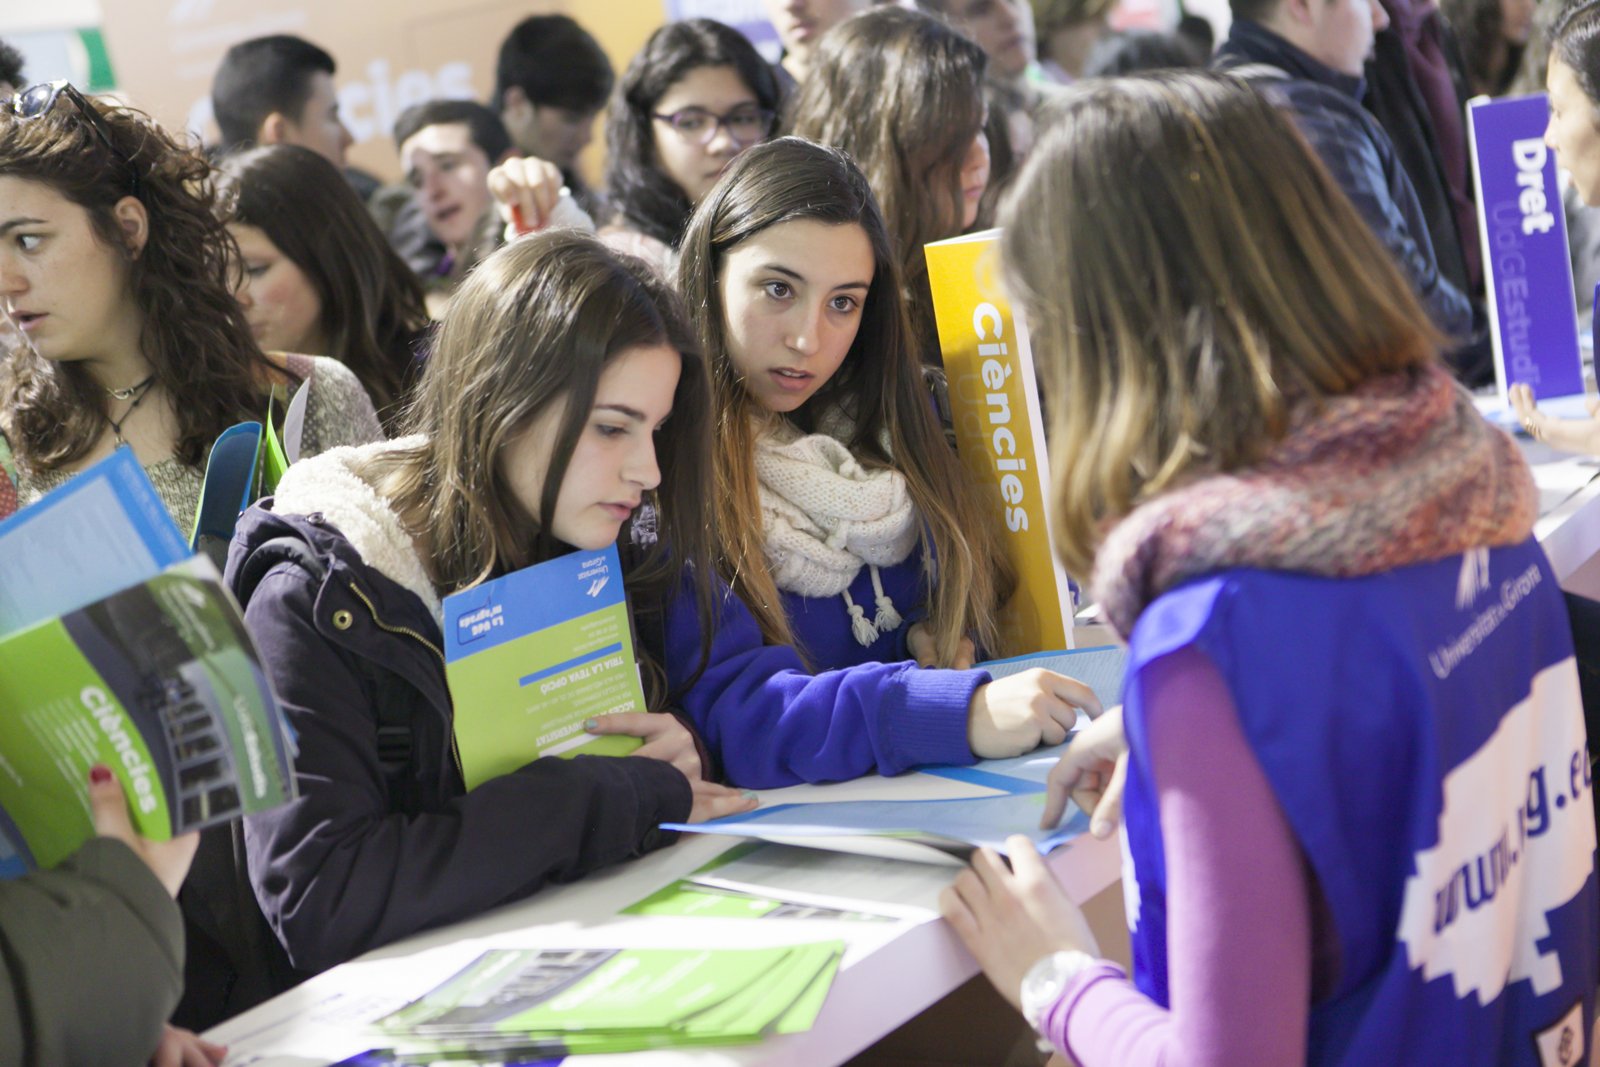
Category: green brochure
[608,1000]
[750,1010]
[532,656]
[145,667]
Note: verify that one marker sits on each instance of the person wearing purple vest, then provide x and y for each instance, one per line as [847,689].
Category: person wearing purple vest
[1351,759]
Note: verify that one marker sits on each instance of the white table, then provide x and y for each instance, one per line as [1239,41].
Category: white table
[891,971]
[1569,500]
[1569,516]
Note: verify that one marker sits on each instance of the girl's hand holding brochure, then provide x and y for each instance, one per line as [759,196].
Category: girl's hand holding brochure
[665,738]
[108,807]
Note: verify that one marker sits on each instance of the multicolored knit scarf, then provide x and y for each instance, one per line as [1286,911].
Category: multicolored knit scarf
[1400,470]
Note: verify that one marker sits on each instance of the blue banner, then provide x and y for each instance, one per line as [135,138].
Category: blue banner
[1528,272]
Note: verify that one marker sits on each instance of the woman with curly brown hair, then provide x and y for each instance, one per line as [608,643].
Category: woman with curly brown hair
[116,267]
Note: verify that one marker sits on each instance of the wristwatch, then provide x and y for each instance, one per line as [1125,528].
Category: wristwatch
[1042,985]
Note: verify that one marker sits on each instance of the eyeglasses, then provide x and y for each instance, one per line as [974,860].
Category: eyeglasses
[38,100]
[747,125]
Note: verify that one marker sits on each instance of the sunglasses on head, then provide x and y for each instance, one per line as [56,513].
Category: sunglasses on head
[33,102]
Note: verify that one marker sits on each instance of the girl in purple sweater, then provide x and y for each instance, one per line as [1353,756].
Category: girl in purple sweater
[837,495]
[1357,822]
[848,528]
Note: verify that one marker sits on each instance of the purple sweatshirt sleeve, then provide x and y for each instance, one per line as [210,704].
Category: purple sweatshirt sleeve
[772,723]
[1239,903]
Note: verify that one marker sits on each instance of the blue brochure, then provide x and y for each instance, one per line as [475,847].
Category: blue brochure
[228,489]
[105,530]
[948,829]
[951,829]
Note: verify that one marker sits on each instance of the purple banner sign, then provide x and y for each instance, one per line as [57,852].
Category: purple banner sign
[1529,274]
[746,16]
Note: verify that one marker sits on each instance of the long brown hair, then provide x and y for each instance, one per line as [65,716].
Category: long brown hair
[880,385]
[535,325]
[1190,272]
[372,309]
[902,92]
[194,334]
[1492,61]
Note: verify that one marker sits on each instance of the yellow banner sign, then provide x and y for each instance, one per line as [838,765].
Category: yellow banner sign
[994,398]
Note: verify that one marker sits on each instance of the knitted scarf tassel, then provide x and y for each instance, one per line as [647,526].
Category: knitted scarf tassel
[887,619]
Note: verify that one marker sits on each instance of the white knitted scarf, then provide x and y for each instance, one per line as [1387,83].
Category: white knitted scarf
[824,516]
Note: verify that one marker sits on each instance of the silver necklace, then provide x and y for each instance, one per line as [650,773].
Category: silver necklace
[142,390]
[136,389]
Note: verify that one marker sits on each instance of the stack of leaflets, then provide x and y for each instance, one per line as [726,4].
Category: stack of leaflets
[944,831]
[533,656]
[521,1003]
[755,880]
[119,647]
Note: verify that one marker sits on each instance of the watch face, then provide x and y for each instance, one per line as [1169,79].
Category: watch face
[1045,980]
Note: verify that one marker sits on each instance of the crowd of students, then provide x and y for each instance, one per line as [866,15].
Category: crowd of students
[1247,292]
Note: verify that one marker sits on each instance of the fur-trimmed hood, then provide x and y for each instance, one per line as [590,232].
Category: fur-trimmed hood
[329,485]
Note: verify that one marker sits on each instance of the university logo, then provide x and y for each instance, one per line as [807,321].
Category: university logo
[1474,577]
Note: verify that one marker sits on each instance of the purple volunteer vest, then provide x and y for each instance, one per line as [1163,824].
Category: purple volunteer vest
[1423,733]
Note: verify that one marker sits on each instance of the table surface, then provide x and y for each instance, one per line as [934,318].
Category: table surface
[891,970]
[1569,499]
[1569,508]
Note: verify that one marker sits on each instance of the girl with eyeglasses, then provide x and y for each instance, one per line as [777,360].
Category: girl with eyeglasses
[119,272]
[695,96]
